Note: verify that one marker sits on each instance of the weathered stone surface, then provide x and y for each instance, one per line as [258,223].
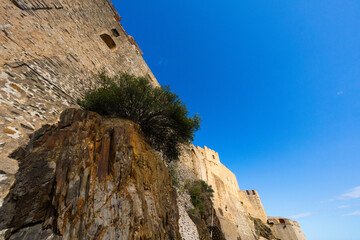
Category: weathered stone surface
[50,54]
[262,229]
[90,177]
[187,227]
[208,224]
[234,219]
[6,180]
[284,228]
[251,202]
[240,212]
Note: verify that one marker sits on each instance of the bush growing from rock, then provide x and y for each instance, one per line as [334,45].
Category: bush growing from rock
[200,193]
[162,116]
[174,175]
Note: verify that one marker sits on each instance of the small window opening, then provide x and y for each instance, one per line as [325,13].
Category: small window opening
[115,32]
[270,222]
[221,212]
[253,191]
[248,192]
[281,220]
[148,76]
[108,40]
[213,157]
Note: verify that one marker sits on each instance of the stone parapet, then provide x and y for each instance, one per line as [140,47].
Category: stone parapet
[284,228]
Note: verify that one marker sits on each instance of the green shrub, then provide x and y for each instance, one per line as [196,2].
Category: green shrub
[192,211]
[162,116]
[174,175]
[200,193]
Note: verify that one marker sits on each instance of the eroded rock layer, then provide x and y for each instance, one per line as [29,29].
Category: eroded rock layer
[90,177]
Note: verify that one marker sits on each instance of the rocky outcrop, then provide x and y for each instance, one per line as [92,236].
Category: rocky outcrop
[187,227]
[208,224]
[90,177]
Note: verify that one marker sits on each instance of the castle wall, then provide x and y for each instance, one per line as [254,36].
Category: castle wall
[252,204]
[235,208]
[234,219]
[286,229]
[50,54]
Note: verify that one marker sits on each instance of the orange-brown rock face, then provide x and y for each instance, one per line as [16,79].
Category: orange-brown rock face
[90,177]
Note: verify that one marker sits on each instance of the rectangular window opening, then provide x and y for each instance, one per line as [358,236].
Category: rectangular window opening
[115,32]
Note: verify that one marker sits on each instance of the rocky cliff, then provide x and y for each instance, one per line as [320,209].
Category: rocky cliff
[90,177]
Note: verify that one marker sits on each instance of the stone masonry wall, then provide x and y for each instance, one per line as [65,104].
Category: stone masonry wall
[234,219]
[236,209]
[286,229]
[252,203]
[50,53]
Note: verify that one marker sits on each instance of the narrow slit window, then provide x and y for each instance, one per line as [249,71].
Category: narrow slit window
[115,32]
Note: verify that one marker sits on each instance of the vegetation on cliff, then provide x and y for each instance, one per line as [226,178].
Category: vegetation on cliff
[203,213]
[200,193]
[262,230]
[162,116]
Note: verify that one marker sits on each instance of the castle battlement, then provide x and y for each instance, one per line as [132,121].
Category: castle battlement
[252,203]
[285,228]
[209,154]
[282,221]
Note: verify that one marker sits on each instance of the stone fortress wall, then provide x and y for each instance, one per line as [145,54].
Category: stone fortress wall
[235,208]
[286,228]
[50,53]
[252,204]
[206,165]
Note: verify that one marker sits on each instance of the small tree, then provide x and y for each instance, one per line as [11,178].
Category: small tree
[162,116]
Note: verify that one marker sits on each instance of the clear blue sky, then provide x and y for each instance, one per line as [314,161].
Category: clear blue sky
[277,84]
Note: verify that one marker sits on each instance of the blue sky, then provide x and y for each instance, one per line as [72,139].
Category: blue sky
[277,85]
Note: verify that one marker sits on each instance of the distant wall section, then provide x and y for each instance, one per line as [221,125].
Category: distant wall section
[234,219]
[235,208]
[252,204]
[285,229]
